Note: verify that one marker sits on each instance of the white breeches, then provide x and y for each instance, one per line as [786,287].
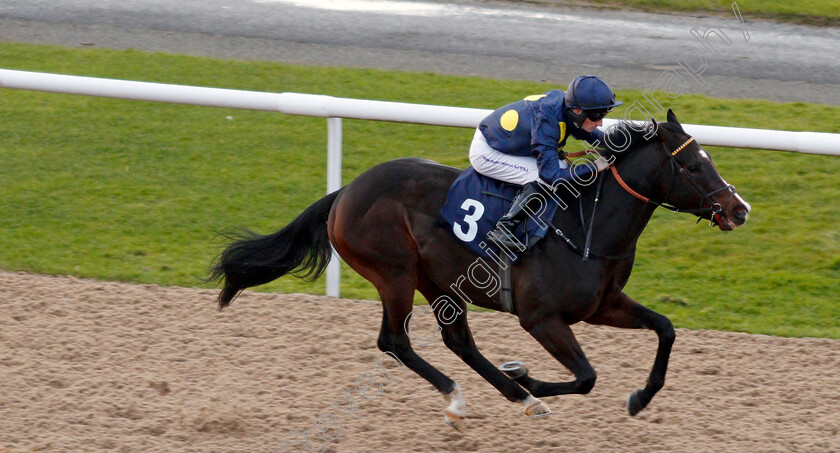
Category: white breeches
[518,170]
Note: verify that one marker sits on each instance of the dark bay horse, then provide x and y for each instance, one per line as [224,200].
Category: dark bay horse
[383,225]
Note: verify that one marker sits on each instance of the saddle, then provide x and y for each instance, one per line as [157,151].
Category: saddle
[476,202]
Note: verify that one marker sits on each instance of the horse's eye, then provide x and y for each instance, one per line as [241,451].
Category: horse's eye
[694,168]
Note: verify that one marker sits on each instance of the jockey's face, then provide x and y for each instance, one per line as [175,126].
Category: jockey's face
[588,125]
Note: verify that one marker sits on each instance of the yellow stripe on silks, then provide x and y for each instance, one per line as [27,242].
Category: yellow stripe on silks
[535,97]
[509,120]
[562,131]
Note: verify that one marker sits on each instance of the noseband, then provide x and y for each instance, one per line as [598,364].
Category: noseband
[715,209]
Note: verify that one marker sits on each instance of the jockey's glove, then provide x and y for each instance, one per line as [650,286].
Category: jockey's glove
[601,164]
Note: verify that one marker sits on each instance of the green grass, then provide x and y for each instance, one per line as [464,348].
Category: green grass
[809,12]
[135,191]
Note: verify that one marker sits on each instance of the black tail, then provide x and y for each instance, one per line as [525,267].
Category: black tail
[302,248]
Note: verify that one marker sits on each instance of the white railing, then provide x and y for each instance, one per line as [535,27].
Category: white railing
[334,109]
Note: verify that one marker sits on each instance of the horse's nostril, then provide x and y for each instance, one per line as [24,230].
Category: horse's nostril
[741,213]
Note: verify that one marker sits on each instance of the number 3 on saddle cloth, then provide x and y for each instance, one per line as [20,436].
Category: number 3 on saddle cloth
[476,202]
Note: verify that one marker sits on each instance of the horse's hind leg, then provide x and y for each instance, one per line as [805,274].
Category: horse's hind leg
[397,302]
[458,338]
[629,314]
[376,243]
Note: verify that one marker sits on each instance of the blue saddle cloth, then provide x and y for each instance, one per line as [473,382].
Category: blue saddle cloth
[476,202]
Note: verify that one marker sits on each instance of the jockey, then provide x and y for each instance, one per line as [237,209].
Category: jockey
[521,142]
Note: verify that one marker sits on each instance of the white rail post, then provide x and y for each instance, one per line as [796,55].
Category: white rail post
[333,184]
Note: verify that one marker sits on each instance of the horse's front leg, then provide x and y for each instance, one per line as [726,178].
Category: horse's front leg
[558,339]
[629,314]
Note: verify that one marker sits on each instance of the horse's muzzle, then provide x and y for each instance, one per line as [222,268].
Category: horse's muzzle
[734,214]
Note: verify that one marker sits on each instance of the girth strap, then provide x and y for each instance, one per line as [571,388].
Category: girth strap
[506,291]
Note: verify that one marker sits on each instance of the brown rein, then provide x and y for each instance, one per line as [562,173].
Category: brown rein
[626,187]
[621,182]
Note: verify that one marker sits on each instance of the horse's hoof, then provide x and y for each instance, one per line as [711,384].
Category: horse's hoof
[635,403]
[538,409]
[514,369]
[459,422]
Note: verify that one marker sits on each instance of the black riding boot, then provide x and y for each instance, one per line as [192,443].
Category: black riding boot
[509,221]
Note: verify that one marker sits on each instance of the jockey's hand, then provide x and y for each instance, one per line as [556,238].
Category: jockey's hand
[601,164]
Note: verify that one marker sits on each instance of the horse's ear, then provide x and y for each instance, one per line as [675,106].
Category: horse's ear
[673,119]
[663,132]
[654,127]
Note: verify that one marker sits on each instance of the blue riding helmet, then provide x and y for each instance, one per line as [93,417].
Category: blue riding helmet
[593,96]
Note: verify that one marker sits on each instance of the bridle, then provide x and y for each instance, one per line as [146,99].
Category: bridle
[715,209]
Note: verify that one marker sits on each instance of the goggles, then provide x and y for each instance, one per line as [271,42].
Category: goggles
[596,115]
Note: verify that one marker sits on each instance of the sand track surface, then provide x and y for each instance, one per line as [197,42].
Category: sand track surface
[90,366]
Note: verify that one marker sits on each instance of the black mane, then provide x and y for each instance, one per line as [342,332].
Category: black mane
[617,135]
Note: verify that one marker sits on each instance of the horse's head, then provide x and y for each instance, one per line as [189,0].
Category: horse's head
[678,174]
[693,183]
